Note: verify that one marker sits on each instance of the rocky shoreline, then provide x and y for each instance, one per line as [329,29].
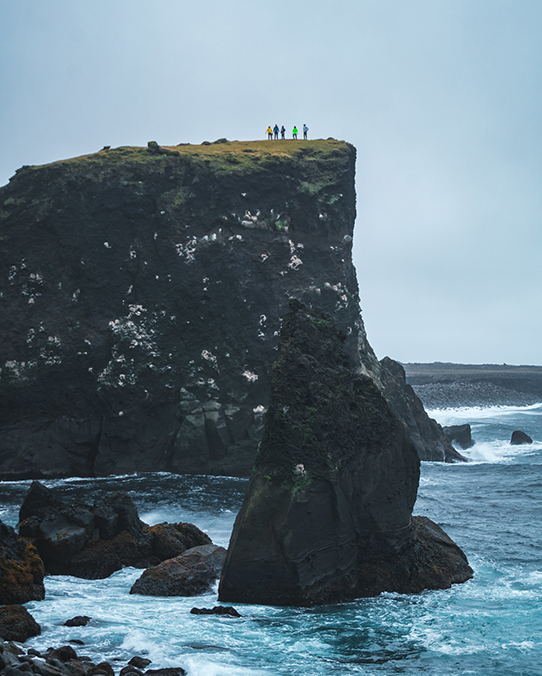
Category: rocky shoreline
[443,385]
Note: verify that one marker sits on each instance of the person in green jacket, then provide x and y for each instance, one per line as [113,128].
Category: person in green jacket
[294,133]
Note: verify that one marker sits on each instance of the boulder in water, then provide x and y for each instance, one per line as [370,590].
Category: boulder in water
[461,434]
[327,515]
[93,541]
[519,437]
[190,574]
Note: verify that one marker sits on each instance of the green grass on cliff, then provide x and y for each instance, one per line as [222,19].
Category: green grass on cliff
[223,156]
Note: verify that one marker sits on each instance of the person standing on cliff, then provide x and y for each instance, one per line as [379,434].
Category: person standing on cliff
[269,132]
[276,132]
[282,132]
[294,133]
[305,130]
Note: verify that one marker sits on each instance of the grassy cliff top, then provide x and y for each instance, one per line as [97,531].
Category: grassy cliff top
[221,156]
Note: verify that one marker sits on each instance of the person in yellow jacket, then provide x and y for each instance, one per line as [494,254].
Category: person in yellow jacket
[294,133]
[269,132]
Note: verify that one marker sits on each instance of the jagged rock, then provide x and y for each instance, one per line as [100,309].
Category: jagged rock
[461,434]
[142,339]
[21,569]
[17,624]
[327,515]
[93,541]
[427,435]
[519,437]
[217,610]
[167,671]
[190,574]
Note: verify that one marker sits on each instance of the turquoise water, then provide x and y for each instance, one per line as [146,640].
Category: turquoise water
[491,625]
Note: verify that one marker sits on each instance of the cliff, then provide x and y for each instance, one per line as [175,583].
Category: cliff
[328,512]
[142,291]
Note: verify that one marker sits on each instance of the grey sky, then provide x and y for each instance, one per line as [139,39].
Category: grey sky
[442,98]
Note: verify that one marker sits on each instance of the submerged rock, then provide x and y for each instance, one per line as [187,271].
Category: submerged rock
[93,541]
[21,569]
[190,574]
[327,515]
[519,437]
[217,610]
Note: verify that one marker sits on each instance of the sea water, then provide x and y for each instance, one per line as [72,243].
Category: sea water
[491,625]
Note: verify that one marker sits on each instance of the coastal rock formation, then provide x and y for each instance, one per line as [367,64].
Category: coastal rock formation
[142,290]
[64,661]
[519,437]
[327,515]
[427,435]
[461,434]
[93,541]
[189,574]
[17,624]
[21,569]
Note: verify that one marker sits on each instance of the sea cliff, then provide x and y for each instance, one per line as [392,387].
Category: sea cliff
[142,291]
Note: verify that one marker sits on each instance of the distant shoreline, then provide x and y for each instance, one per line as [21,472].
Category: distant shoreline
[446,385]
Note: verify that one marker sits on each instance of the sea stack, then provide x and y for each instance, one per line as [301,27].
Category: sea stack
[328,512]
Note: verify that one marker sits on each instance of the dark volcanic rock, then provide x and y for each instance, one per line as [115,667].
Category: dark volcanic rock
[93,541]
[21,569]
[78,621]
[519,437]
[327,515]
[17,624]
[461,434]
[139,662]
[427,435]
[190,574]
[217,610]
[142,291]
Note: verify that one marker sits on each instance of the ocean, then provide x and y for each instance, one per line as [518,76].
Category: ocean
[491,625]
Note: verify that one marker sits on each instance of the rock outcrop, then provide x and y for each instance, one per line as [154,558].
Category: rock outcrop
[189,574]
[327,515]
[461,434]
[21,569]
[93,541]
[142,290]
[518,437]
[17,624]
[427,435]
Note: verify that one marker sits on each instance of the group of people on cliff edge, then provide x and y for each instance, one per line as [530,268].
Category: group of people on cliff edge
[273,132]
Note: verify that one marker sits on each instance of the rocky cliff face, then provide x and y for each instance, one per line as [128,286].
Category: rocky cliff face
[327,515]
[142,291]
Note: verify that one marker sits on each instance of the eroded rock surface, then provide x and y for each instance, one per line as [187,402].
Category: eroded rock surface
[21,569]
[327,515]
[93,541]
[142,290]
[189,574]
[17,624]
[427,435]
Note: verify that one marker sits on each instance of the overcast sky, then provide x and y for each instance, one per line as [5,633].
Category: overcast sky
[442,99]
